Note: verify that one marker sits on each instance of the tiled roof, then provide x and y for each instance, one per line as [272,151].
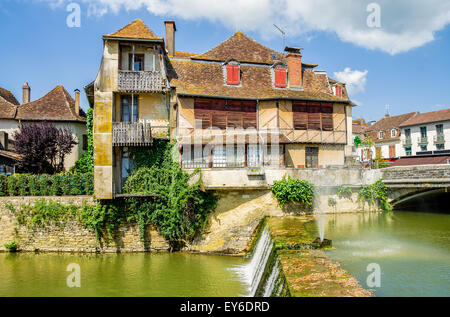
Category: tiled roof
[386,125]
[180,54]
[8,104]
[57,105]
[421,160]
[428,117]
[135,30]
[207,79]
[241,48]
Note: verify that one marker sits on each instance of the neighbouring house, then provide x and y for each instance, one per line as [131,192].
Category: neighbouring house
[359,127]
[56,107]
[386,137]
[426,139]
[240,106]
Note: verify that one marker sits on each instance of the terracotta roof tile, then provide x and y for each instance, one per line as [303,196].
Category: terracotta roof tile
[135,30]
[241,48]
[57,105]
[207,79]
[386,125]
[8,104]
[421,160]
[428,117]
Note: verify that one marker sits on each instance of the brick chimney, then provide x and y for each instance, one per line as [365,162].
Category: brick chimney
[170,36]
[77,101]
[294,61]
[26,93]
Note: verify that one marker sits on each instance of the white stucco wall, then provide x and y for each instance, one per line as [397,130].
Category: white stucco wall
[431,134]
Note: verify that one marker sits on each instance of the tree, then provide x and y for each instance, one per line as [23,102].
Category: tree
[43,147]
[357,141]
[86,163]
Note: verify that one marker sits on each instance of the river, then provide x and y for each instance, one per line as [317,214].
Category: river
[140,274]
[412,250]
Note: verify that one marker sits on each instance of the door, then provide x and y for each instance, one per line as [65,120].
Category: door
[392,151]
[312,157]
[129,108]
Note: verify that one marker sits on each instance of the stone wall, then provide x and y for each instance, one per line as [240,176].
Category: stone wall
[73,237]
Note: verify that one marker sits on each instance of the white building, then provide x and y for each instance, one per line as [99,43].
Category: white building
[427,134]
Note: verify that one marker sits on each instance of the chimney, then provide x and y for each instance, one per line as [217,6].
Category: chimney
[26,93]
[294,58]
[77,101]
[3,140]
[170,37]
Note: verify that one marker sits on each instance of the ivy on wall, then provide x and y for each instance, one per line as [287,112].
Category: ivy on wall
[293,191]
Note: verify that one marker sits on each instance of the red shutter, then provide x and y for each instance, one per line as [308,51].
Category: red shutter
[233,74]
[280,77]
[338,91]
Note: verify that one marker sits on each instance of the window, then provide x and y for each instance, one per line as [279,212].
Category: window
[440,146]
[337,91]
[194,156]
[129,108]
[280,77]
[127,164]
[393,133]
[85,142]
[380,134]
[233,76]
[423,147]
[407,133]
[222,114]
[439,129]
[312,157]
[423,132]
[312,115]
[408,151]
[138,62]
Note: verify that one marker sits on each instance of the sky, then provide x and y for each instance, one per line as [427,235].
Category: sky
[394,53]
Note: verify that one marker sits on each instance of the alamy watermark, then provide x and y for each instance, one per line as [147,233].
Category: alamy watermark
[374,278]
[73,20]
[74,278]
[374,18]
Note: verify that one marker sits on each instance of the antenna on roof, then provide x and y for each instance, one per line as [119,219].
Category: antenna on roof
[283,34]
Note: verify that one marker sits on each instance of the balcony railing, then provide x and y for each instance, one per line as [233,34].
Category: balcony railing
[132,134]
[439,139]
[422,140]
[141,81]
[407,142]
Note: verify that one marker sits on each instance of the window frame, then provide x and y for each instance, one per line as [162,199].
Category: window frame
[280,68]
[234,68]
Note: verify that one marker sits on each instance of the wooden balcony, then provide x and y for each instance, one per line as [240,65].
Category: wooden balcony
[132,134]
[141,82]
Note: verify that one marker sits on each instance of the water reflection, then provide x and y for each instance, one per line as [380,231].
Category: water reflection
[412,248]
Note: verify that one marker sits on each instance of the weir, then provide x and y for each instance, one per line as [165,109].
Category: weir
[263,273]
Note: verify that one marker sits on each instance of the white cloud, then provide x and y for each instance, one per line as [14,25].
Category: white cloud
[355,80]
[405,24]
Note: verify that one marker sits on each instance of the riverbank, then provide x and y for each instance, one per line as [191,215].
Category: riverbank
[309,273]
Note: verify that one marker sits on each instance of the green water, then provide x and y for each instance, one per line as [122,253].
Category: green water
[412,249]
[163,274]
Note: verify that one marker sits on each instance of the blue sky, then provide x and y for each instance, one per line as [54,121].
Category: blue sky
[403,67]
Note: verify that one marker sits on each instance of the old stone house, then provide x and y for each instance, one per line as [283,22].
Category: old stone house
[57,107]
[239,107]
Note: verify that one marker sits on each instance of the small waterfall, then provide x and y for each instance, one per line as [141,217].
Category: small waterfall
[271,281]
[253,271]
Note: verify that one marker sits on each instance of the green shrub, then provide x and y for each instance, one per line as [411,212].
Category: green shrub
[66,184]
[293,191]
[33,185]
[22,185]
[3,185]
[345,192]
[88,183]
[77,185]
[11,247]
[55,188]
[178,209]
[376,193]
[44,185]
[102,218]
[12,186]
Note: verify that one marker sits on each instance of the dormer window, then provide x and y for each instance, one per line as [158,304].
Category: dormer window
[337,90]
[233,73]
[393,133]
[280,76]
[380,134]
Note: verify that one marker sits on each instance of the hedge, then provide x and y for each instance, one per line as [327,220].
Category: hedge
[46,185]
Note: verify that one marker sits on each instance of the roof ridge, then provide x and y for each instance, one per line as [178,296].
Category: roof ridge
[137,29]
